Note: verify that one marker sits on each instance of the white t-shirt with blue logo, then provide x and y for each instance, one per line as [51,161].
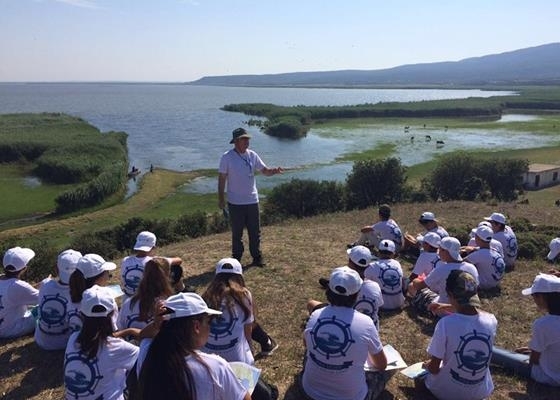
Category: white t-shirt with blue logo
[436,280]
[227,333]
[338,341]
[490,265]
[369,300]
[102,377]
[464,344]
[132,270]
[388,274]
[509,243]
[129,315]
[425,263]
[52,330]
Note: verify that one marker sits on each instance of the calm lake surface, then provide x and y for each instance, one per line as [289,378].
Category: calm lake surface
[181,127]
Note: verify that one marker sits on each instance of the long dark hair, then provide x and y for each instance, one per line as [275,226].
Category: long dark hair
[94,332]
[165,373]
[230,287]
[78,283]
[155,283]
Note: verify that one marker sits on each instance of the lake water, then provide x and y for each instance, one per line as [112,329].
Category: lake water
[181,127]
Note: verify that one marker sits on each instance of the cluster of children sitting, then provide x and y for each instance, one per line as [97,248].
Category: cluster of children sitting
[163,342]
[167,342]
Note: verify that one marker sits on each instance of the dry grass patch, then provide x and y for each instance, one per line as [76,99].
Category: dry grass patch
[297,254]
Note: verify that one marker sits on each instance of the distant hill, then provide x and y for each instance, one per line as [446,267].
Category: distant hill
[533,65]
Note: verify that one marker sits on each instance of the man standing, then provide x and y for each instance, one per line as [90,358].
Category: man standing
[237,169]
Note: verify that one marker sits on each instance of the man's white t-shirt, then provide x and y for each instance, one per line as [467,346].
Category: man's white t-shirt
[369,300]
[464,344]
[52,331]
[490,265]
[436,280]
[546,340]
[338,341]
[15,297]
[227,333]
[240,170]
[388,274]
[102,377]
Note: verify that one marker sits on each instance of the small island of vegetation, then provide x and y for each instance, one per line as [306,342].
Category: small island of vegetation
[295,121]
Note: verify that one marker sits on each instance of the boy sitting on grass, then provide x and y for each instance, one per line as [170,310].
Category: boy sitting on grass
[461,346]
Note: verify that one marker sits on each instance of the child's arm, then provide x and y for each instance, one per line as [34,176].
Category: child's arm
[135,332]
[432,365]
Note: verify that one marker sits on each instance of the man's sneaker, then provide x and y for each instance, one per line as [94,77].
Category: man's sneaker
[269,349]
[324,282]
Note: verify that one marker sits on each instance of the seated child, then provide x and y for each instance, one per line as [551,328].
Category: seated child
[461,345]
[543,362]
[16,295]
[387,272]
[53,327]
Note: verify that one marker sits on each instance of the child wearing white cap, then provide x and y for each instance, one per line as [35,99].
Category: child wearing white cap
[539,361]
[53,329]
[91,269]
[428,257]
[231,333]
[505,235]
[435,298]
[387,272]
[471,245]
[173,367]
[489,263]
[384,228]
[338,341]
[431,224]
[461,346]
[16,295]
[132,267]
[370,298]
[554,247]
[96,362]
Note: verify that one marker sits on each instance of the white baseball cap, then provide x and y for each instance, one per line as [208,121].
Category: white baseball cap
[481,223]
[92,265]
[386,245]
[145,241]
[554,247]
[345,281]
[427,216]
[497,217]
[229,266]
[17,258]
[485,233]
[97,296]
[66,264]
[360,255]
[432,238]
[543,283]
[187,304]
[452,246]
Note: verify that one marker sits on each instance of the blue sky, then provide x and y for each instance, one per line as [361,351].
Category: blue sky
[183,40]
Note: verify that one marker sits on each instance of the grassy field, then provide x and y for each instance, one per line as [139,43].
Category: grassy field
[297,254]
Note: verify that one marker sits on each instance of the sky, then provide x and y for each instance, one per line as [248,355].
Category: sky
[184,40]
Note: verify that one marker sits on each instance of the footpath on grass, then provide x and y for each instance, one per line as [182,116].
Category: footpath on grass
[154,187]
